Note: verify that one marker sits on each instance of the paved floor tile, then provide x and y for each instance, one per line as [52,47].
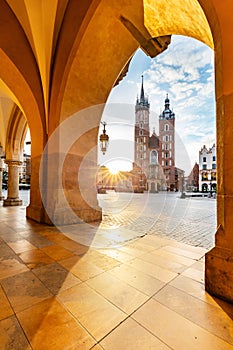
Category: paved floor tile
[208,316]
[163,262]
[24,290]
[21,246]
[126,298]
[5,308]
[153,270]
[35,258]
[92,310]
[137,279]
[57,252]
[12,336]
[56,278]
[194,288]
[131,336]
[176,331]
[49,326]
[81,268]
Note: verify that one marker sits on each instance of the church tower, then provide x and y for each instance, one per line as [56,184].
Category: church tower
[167,144]
[142,131]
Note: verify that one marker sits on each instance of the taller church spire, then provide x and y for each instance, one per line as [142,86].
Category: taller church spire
[143,101]
[142,97]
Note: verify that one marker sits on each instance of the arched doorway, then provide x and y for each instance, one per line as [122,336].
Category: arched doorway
[205,187]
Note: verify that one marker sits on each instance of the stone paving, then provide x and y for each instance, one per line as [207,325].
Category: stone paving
[165,214]
[143,293]
[136,291]
[190,220]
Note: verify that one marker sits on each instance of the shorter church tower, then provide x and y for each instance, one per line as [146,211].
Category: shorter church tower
[167,145]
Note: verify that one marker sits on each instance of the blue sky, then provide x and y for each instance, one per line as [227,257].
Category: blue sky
[186,72]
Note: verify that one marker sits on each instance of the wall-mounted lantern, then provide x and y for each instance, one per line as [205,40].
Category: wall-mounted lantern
[104,139]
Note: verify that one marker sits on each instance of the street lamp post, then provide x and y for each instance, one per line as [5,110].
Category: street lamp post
[182,187]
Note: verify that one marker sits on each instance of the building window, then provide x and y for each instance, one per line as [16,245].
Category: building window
[170,137]
[154,157]
[166,127]
[214,166]
[140,132]
[144,139]
[170,162]
[167,138]
[213,176]
[204,166]
[162,145]
[166,146]
[204,159]
[162,162]
[162,154]
[204,176]
[141,125]
[214,158]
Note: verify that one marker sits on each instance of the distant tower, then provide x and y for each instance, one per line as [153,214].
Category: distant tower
[142,131]
[167,145]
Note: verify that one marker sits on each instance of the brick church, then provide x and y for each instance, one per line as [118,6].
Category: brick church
[154,155]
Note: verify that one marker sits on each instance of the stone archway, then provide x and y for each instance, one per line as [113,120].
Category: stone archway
[99,58]
[16,133]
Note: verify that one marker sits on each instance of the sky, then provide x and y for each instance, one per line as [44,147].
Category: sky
[186,72]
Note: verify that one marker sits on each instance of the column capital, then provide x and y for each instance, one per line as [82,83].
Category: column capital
[11,162]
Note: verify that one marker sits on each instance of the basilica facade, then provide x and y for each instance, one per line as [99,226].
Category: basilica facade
[154,155]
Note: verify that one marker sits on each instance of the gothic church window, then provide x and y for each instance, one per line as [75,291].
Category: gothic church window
[154,157]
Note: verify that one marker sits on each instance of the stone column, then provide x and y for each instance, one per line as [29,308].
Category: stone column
[13,183]
[219,260]
[1,171]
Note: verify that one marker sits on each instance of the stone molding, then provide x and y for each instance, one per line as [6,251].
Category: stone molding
[11,162]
